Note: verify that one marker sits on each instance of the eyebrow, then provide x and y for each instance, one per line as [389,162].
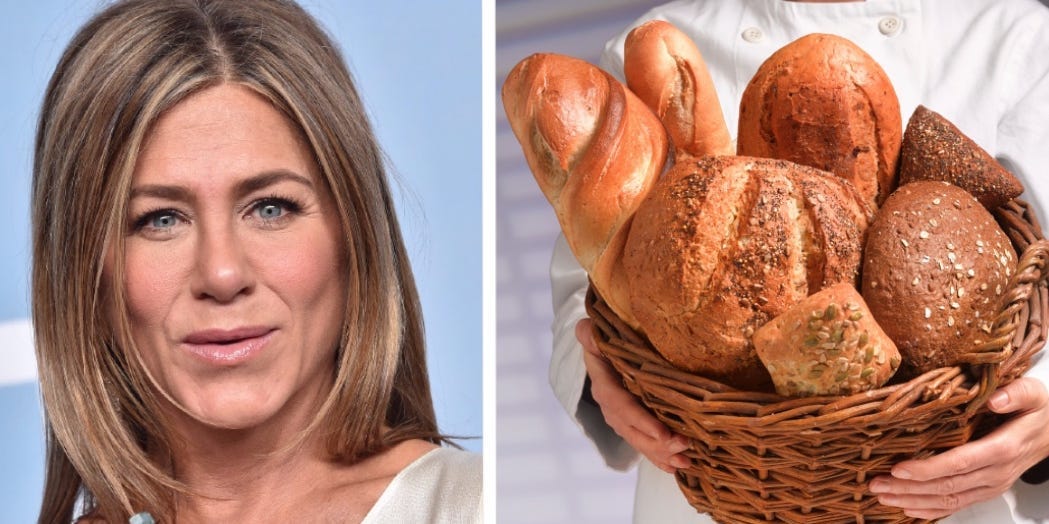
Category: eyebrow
[249,185]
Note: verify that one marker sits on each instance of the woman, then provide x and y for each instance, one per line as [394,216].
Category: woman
[226,322]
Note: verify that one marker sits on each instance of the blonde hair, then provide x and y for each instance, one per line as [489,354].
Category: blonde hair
[125,67]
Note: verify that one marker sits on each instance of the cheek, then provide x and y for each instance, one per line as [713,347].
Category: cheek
[152,280]
[308,272]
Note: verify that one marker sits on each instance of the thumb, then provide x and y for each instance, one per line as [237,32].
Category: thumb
[585,335]
[1020,395]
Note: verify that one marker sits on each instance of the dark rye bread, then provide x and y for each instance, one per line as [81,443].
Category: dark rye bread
[935,149]
[823,102]
[935,269]
[827,344]
[724,244]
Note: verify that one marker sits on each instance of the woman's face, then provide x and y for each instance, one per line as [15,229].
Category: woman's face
[234,276]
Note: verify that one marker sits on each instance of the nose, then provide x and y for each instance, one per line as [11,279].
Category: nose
[222,270]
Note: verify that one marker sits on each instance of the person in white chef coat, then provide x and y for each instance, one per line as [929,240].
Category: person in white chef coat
[984,65]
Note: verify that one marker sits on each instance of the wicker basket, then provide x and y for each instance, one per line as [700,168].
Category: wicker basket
[759,457]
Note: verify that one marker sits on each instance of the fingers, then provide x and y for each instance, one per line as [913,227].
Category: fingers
[585,335]
[1024,394]
[939,497]
[625,415]
[620,408]
[957,461]
[979,470]
[937,506]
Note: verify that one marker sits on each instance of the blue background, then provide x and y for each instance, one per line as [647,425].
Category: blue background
[418,68]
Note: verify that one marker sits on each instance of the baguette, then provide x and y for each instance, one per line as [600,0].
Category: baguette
[665,69]
[595,150]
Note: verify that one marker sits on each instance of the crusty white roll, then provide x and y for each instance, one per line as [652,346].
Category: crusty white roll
[823,102]
[665,69]
[595,150]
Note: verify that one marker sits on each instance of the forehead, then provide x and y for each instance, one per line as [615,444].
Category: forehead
[223,133]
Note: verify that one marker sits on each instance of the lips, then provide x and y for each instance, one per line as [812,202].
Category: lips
[228,347]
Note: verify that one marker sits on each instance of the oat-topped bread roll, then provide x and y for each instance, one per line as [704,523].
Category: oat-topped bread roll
[595,150]
[827,344]
[724,244]
[935,269]
[822,101]
[934,149]
[665,69]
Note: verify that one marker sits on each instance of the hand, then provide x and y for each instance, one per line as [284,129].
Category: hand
[980,470]
[624,414]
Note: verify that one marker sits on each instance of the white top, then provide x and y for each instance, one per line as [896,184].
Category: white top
[982,64]
[441,487]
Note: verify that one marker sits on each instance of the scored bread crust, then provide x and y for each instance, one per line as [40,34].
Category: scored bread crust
[666,70]
[595,150]
[935,269]
[723,244]
[822,101]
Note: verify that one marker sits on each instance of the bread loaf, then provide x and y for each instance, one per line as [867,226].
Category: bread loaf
[823,102]
[935,269]
[665,69]
[934,149]
[595,150]
[724,244]
[827,344]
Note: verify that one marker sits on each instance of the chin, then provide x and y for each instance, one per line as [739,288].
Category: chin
[235,409]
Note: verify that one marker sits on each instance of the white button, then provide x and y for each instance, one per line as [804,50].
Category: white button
[753,35]
[890,25]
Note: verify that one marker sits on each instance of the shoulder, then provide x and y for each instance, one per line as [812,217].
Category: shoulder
[449,467]
[443,485]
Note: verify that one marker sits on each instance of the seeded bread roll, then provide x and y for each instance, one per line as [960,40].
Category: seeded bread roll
[828,344]
[823,102]
[934,271]
[934,149]
[595,150]
[724,244]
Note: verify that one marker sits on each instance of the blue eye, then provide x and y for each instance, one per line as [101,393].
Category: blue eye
[163,221]
[270,210]
[275,209]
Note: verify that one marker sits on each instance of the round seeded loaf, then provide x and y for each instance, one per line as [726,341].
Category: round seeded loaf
[935,268]
[724,244]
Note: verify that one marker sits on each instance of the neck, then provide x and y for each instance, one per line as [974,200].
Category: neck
[242,473]
[232,473]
